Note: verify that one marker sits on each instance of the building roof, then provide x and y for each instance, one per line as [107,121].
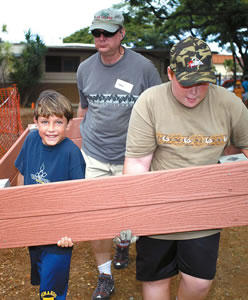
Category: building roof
[220,58]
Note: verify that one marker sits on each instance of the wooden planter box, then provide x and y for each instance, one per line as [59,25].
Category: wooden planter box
[198,198]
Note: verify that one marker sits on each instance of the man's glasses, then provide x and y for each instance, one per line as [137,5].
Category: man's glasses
[97,33]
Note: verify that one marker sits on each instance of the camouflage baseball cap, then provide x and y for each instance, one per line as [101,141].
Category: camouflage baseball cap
[191,61]
[107,19]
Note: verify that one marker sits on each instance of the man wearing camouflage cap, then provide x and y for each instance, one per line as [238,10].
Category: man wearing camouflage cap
[186,122]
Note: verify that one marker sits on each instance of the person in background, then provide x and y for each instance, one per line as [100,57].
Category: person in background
[186,122]
[48,156]
[109,83]
[245,94]
[239,90]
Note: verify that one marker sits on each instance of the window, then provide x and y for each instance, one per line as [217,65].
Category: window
[62,63]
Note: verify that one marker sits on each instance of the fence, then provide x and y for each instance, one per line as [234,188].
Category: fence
[10,119]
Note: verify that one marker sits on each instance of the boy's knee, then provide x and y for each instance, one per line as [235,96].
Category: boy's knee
[199,284]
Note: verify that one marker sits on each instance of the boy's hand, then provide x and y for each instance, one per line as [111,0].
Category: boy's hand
[65,242]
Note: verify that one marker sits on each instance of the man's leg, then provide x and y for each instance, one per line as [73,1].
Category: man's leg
[156,290]
[192,288]
[105,285]
[102,249]
[95,169]
[121,257]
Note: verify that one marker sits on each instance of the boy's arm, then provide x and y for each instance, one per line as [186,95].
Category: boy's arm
[137,165]
[245,152]
[20,179]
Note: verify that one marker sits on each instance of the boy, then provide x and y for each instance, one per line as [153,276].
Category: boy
[183,123]
[48,156]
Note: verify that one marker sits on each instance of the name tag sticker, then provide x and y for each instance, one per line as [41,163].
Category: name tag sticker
[123,85]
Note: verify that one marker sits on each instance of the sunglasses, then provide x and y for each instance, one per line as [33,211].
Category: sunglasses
[97,33]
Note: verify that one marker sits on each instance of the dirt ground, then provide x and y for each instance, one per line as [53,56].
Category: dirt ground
[231,281]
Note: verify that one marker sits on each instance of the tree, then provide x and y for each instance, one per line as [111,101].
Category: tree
[223,21]
[140,31]
[6,62]
[81,36]
[6,59]
[27,67]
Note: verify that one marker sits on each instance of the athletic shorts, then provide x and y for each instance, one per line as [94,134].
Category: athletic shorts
[50,268]
[160,259]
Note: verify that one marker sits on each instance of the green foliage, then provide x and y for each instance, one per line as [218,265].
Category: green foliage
[6,61]
[81,36]
[27,67]
[229,65]
[223,21]
[159,23]
[141,31]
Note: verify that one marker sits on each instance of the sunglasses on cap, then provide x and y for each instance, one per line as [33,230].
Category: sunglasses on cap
[107,34]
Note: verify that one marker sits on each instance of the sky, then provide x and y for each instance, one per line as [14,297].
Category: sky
[52,20]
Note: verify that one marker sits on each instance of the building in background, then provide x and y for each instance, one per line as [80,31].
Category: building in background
[61,62]
[223,73]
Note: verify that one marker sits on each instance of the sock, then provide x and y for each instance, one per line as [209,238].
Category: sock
[105,268]
[124,244]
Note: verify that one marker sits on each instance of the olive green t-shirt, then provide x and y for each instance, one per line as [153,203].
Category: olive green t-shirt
[181,137]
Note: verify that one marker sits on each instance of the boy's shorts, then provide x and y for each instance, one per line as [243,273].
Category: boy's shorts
[160,259]
[50,268]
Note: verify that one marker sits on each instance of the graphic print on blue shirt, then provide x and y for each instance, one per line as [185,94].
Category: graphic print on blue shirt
[39,176]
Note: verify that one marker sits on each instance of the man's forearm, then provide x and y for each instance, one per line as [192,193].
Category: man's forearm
[81,112]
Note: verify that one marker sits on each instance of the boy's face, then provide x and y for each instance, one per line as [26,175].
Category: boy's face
[52,129]
[189,96]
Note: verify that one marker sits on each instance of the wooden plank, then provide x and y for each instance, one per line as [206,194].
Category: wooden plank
[188,199]
[7,168]
[73,132]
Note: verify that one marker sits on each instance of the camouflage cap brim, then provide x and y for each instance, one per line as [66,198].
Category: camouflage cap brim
[192,78]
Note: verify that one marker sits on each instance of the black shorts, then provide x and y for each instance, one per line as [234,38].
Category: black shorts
[160,259]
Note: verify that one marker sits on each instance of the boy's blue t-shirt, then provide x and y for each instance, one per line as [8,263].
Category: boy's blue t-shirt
[40,164]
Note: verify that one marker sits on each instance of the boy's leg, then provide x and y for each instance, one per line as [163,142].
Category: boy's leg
[192,288]
[197,259]
[156,290]
[155,266]
[54,273]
